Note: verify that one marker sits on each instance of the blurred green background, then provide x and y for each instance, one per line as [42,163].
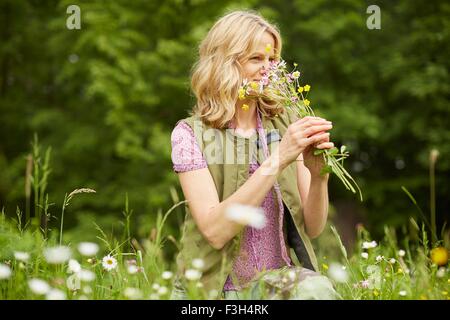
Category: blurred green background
[106,97]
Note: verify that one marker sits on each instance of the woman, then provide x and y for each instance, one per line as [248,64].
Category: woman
[229,152]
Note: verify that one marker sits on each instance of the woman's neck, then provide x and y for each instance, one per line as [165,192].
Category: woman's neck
[245,119]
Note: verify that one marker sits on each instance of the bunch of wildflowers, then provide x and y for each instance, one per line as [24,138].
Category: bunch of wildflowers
[278,84]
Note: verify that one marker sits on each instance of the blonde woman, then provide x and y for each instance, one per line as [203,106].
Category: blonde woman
[253,153]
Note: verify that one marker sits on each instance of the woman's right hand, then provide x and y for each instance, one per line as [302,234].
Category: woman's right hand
[299,135]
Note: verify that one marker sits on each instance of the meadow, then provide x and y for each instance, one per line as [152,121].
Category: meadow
[38,263]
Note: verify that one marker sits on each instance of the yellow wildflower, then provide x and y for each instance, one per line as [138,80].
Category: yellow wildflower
[439,256]
[375,293]
[307,102]
[400,270]
[245,107]
[268,47]
[444,293]
[307,87]
[324,266]
[295,64]
[300,89]
[241,94]
[254,85]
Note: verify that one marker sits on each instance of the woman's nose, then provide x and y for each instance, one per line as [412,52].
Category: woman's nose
[265,66]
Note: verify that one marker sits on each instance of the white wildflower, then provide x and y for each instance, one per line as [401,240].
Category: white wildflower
[132,293]
[392,261]
[246,215]
[57,255]
[401,253]
[192,274]
[86,275]
[369,245]
[55,294]
[402,293]
[73,282]
[162,291]
[74,266]
[379,258]
[198,264]
[21,256]
[5,271]
[88,249]
[38,286]
[132,269]
[166,275]
[441,272]
[109,263]
[337,273]
[156,286]
[87,290]
[292,275]
[365,255]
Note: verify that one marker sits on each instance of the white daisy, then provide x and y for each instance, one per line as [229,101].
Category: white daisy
[162,291]
[74,266]
[246,215]
[132,293]
[192,274]
[441,272]
[55,294]
[5,271]
[57,255]
[401,253]
[132,269]
[166,275]
[73,282]
[38,286]
[369,245]
[21,256]
[198,264]
[88,249]
[365,255]
[87,290]
[86,275]
[337,273]
[156,286]
[109,263]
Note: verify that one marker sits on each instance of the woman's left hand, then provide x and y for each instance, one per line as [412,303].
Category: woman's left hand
[316,163]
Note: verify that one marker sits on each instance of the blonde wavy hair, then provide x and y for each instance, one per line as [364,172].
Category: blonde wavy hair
[217,75]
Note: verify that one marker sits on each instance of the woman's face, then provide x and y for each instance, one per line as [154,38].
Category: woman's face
[259,60]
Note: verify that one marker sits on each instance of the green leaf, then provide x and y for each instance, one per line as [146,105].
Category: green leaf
[333,151]
[326,169]
[318,151]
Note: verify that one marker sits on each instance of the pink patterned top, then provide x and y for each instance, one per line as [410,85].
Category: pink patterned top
[261,249]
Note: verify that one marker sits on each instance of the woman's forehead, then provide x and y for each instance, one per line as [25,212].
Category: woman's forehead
[265,44]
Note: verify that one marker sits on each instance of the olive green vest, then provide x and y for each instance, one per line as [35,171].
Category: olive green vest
[229,177]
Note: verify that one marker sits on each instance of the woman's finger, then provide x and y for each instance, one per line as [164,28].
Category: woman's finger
[325,145]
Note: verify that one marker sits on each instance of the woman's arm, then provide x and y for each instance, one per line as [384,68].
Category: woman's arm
[209,214]
[314,196]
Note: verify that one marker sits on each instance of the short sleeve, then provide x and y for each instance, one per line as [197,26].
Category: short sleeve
[186,153]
